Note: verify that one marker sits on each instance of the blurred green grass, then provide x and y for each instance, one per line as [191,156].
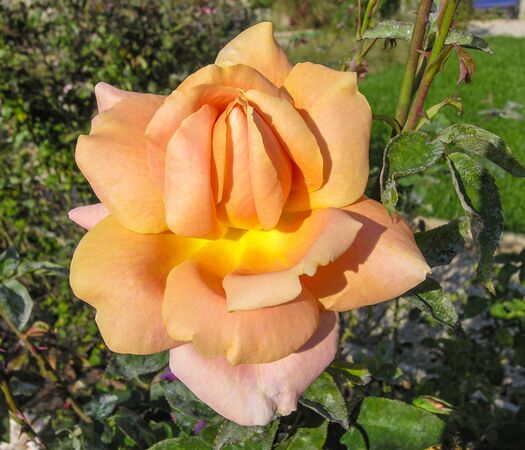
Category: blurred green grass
[500,77]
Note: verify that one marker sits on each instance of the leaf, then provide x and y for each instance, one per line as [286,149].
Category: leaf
[101,407]
[324,397]
[467,40]
[390,29]
[42,268]
[15,302]
[479,198]
[188,409]
[478,141]
[233,437]
[467,66]
[9,261]
[182,442]
[391,424]
[5,422]
[132,366]
[453,100]
[354,373]
[430,298]
[353,439]
[306,438]
[433,404]
[441,244]
[405,154]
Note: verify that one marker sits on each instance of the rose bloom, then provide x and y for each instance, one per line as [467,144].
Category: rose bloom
[233,227]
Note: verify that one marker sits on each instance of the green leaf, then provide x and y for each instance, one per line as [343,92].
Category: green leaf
[4,421]
[353,439]
[453,100]
[508,309]
[441,244]
[132,366]
[433,404]
[42,268]
[9,261]
[430,298]
[324,397]
[182,443]
[391,424]
[306,439]
[405,154]
[354,373]
[233,437]
[467,40]
[479,198]
[478,141]
[15,302]
[188,409]
[390,29]
[101,407]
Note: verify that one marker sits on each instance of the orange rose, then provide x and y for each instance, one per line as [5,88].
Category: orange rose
[232,225]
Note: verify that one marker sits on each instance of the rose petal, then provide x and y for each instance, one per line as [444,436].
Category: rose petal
[250,394]
[238,76]
[113,159]
[108,96]
[340,118]
[123,274]
[256,47]
[195,309]
[382,263]
[88,216]
[168,118]
[270,170]
[190,208]
[270,263]
[238,205]
[295,135]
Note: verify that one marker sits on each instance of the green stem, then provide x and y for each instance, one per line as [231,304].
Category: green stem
[46,369]
[17,415]
[407,84]
[369,12]
[437,56]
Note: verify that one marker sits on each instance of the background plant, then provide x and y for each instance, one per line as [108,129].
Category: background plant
[440,365]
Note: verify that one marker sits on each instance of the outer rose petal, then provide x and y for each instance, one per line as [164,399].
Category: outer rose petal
[340,117]
[108,96]
[194,309]
[113,158]
[382,263]
[190,209]
[271,263]
[123,274]
[250,394]
[88,216]
[238,76]
[256,47]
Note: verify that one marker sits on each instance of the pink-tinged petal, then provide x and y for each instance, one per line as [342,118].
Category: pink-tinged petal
[88,216]
[295,135]
[251,394]
[340,118]
[123,275]
[190,208]
[168,118]
[382,263]
[195,309]
[113,159]
[256,47]
[271,262]
[108,96]
[270,169]
[238,76]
